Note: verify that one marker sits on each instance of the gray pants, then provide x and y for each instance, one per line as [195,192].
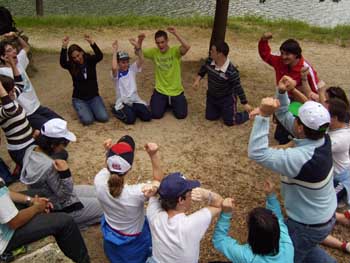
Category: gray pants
[92,212]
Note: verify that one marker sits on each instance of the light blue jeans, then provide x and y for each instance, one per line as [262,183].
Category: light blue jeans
[306,240]
[90,110]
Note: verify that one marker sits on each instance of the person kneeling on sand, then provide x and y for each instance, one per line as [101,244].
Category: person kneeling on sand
[224,86]
[176,236]
[268,237]
[128,105]
[126,232]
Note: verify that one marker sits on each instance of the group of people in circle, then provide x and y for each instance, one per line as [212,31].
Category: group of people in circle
[312,158]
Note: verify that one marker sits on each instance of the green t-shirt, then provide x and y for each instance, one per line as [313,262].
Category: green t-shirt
[167,70]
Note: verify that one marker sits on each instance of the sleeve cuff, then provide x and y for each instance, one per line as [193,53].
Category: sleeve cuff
[226,216]
[64,174]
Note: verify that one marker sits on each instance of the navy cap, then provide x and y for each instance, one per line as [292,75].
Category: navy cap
[175,185]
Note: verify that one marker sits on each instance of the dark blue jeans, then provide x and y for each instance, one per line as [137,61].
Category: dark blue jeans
[225,107]
[128,114]
[40,116]
[159,104]
[90,110]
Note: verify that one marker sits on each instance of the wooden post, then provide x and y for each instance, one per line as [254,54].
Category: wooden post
[39,7]
[220,21]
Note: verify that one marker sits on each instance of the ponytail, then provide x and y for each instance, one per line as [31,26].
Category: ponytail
[115,184]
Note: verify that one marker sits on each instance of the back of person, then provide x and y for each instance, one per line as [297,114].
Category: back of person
[177,239]
[124,213]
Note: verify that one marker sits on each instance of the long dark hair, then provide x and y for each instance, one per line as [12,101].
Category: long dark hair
[75,67]
[264,231]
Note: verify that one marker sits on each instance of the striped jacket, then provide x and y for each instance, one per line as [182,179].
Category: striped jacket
[13,121]
[281,69]
[306,169]
[223,83]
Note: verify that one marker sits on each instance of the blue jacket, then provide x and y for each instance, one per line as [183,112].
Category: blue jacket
[306,169]
[243,253]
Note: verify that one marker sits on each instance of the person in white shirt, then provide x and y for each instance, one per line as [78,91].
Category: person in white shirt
[176,236]
[37,115]
[128,105]
[125,229]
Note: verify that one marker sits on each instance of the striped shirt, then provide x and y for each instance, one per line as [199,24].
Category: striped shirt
[13,120]
[223,83]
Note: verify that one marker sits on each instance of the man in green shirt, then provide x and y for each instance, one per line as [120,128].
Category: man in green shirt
[168,89]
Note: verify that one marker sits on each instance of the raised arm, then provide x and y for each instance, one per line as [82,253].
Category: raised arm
[265,50]
[213,200]
[23,44]
[138,49]
[184,45]
[63,56]
[114,58]
[152,150]
[98,53]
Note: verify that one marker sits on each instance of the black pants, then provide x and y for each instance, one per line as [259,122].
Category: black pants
[40,116]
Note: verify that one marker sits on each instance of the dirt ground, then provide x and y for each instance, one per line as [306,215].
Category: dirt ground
[208,151]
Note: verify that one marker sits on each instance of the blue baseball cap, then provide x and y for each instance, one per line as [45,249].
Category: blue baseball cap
[175,185]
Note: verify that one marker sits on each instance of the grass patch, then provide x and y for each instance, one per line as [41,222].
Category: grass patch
[241,25]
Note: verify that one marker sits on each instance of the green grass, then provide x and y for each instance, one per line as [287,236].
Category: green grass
[242,25]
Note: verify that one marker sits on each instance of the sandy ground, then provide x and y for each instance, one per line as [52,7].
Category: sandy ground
[208,151]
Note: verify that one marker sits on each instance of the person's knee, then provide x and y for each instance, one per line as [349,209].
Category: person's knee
[228,123]
[180,115]
[103,118]
[212,117]
[157,114]
[146,116]
[87,121]
[129,120]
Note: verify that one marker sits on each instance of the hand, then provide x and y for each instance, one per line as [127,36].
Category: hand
[304,72]
[267,36]
[151,148]
[286,83]
[49,205]
[107,144]
[115,46]
[228,205]
[269,187]
[60,165]
[314,96]
[10,35]
[39,203]
[149,190]
[200,194]
[321,85]
[65,41]
[172,30]
[196,83]
[89,39]
[10,60]
[247,107]
[268,106]
[254,113]
[140,39]
[133,42]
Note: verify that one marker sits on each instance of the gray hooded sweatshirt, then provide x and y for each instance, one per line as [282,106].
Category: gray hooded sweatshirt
[38,172]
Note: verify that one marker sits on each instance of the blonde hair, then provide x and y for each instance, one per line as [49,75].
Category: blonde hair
[115,185]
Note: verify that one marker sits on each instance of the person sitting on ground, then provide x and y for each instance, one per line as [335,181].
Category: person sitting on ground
[53,177]
[268,237]
[34,222]
[176,236]
[126,232]
[128,105]
[13,120]
[168,88]
[306,170]
[82,67]
[224,86]
[290,62]
[37,115]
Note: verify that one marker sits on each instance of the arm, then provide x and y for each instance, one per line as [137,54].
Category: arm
[98,53]
[138,49]
[265,50]
[213,199]
[239,91]
[114,58]
[8,108]
[63,56]
[22,43]
[185,47]
[152,150]
[25,215]
[271,199]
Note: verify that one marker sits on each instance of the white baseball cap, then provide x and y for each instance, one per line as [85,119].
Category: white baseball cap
[57,128]
[313,115]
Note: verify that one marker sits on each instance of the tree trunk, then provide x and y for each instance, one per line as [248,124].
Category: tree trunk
[39,7]
[220,21]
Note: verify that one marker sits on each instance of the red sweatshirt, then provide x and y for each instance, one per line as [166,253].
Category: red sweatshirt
[282,69]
